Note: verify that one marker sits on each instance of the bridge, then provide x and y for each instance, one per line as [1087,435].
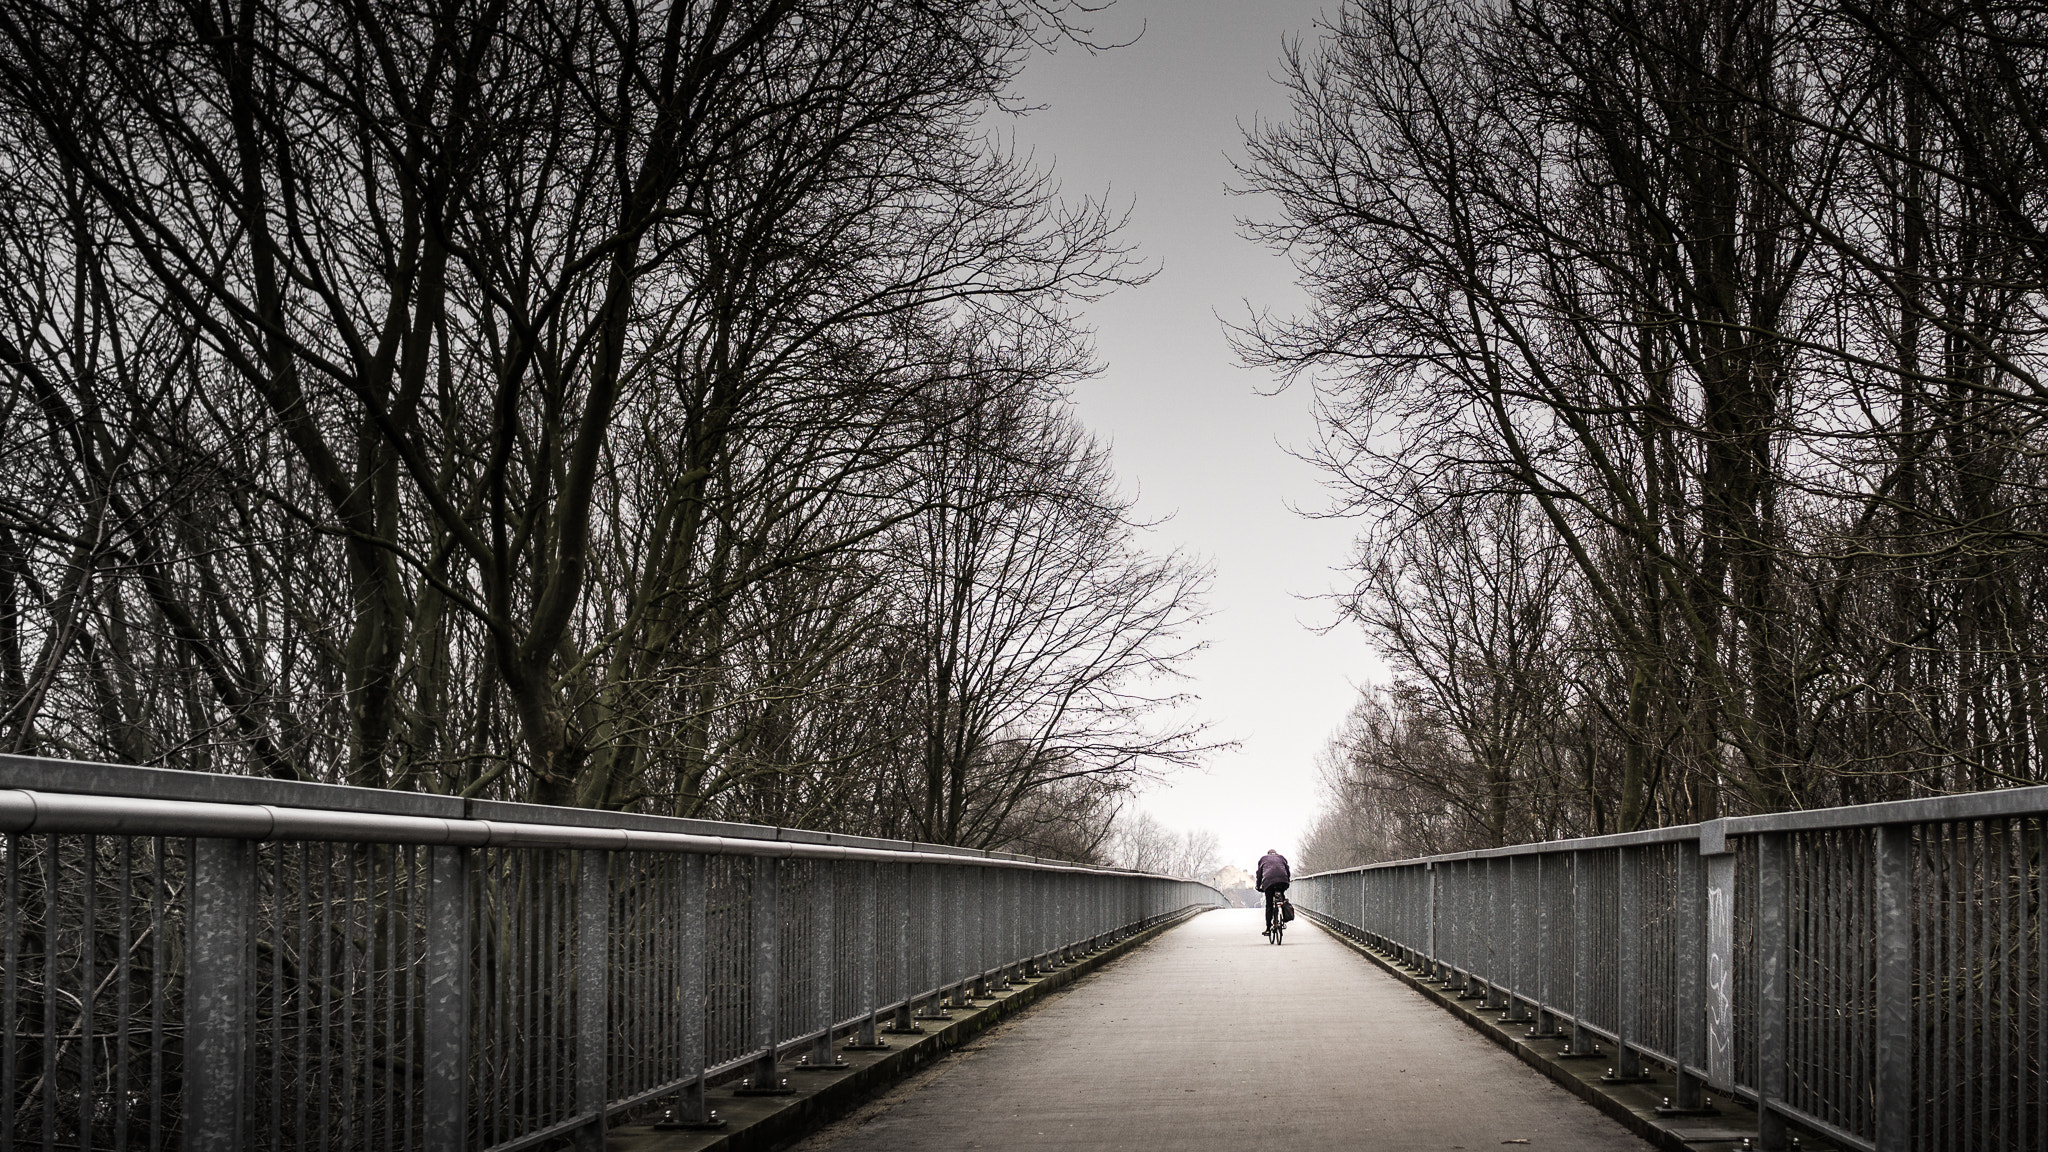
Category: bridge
[207,962]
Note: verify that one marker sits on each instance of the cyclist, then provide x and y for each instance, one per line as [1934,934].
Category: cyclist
[1272,877]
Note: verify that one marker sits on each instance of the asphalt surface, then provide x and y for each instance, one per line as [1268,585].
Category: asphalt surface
[1210,1038]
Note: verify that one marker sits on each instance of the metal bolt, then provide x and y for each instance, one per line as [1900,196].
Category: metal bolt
[1667,1102]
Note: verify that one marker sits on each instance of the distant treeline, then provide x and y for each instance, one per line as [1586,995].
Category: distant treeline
[653,406]
[1684,364]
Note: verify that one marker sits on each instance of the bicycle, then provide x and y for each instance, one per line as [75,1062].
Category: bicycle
[1276,924]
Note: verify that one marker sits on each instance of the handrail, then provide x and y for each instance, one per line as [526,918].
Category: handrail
[25,811]
[1999,804]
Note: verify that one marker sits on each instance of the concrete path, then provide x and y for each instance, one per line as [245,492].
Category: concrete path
[1210,1038]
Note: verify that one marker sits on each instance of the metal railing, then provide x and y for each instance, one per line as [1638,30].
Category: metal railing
[1874,974]
[220,962]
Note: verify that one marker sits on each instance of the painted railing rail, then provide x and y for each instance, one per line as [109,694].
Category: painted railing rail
[207,962]
[1872,973]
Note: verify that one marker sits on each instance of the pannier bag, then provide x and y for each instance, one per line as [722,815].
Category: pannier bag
[1286,910]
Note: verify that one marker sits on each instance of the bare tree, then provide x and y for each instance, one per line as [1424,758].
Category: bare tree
[504,401]
[1741,301]
[1040,645]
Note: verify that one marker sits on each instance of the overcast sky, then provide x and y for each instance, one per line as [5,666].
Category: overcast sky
[1153,126]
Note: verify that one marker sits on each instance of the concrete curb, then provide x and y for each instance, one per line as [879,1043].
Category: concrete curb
[761,1124]
[1633,1106]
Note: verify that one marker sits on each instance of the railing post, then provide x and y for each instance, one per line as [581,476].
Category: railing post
[869,876]
[593,1002]
[1772,873]
[1497,959]
[1689,939]
[446,1092]
[984,923]
[764,1078]
[822,889]
[908,974]
[1628,927]
[1004,926]
[1582,1042]
[1894,876]
[1546,1024]
[1519,975]
[1429,916]
[934,947]
[691,1111]
[956,932]
[1475,959]
[217,994]
[1033,934]
[1720,990]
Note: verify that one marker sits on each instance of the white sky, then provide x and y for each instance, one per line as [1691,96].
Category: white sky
[1153,126]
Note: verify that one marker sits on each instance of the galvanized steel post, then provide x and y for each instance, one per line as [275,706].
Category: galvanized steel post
[1688,970]
[909,967]
[1429,898]
[217,994]
[934,936]
[691,1109]
[1772,868]
[1894,909]
[764,1078]
[978,909]
[1628,922]
[1496,961]
[956,933]
[870,960]
[824,921]
[1519,975]
[593,1001]
[1582,1039]
[1005,928]
[1546,1023]
[1720,989]
[445,1098]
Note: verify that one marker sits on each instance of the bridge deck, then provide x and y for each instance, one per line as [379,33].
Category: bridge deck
[1210,1038]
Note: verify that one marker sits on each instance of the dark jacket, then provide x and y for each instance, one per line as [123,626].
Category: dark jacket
[1273,871]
